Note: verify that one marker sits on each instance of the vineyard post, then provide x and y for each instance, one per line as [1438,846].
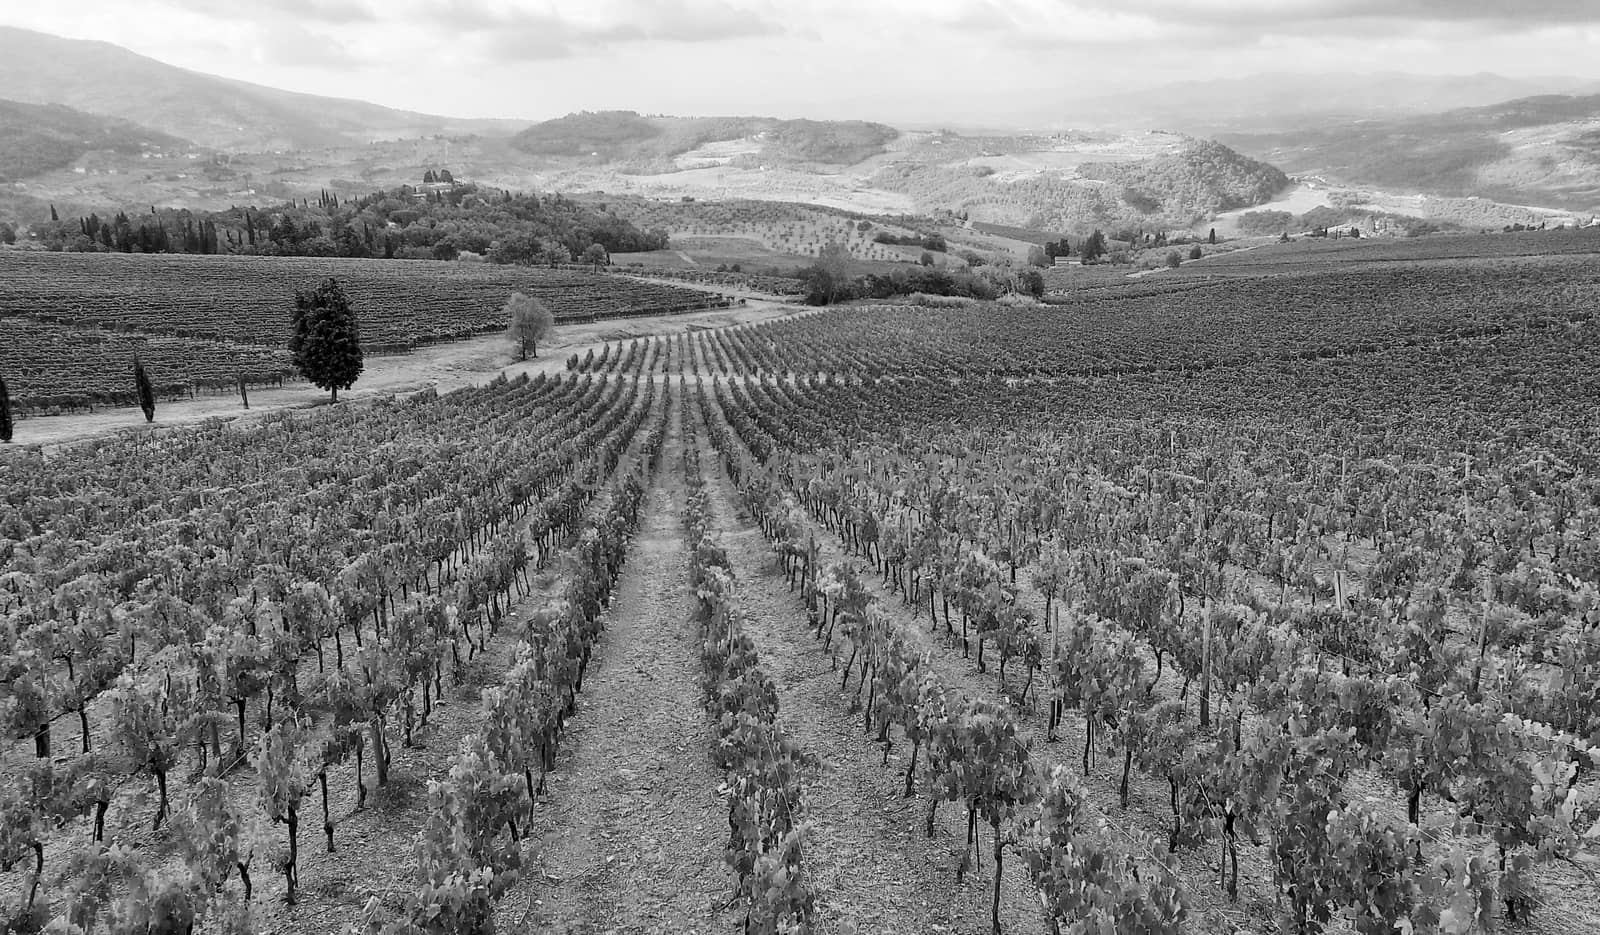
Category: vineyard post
[1205,667]
[1055,681]
[1483,642]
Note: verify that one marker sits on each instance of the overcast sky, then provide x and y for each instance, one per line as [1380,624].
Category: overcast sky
[895,60]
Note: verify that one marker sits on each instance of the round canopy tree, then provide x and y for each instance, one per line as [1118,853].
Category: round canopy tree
[530,321]
[326,342]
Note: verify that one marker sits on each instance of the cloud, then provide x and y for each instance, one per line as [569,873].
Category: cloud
[308,33]
[300,13]
[527,33]
[291,44]
[1157,30]
[1353,15]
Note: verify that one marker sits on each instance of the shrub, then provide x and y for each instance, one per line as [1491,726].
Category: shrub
[1173,260]
[939,301]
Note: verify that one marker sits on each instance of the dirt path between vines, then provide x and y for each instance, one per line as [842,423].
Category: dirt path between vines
[630,838]
[872,865]
[1146,816]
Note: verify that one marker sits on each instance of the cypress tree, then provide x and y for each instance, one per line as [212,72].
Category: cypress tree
[326,338]
[147,393]
[5,412]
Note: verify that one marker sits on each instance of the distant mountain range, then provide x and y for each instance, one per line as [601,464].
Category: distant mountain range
[90,123]
[217,113]
[1277,101]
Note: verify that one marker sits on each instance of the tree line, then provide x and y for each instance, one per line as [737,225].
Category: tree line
[409,223]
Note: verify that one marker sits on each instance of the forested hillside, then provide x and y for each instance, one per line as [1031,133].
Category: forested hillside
[36,138]
[1205,177]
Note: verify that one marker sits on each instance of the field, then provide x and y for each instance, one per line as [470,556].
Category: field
[1261,595]
[78,319]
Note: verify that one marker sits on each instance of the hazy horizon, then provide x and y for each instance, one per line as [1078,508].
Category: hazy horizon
[972,63]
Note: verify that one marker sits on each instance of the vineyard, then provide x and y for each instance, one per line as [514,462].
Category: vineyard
[52,365]
[1308,253]
[1261,605]
[73,321]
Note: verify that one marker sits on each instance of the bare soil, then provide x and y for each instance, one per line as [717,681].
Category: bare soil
[873,866]
[630,837]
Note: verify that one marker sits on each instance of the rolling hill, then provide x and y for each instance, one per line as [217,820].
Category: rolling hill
[272,144]
[218,113]
[1542,150]
[36,138]
[664,144]
[1079,181]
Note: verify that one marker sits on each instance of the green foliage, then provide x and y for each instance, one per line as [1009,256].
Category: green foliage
[1089,884]
[7,427]
[1094,247]
[326,342]
[37,138]
[283,783]
[934,242]
[1205,178]
[837,142]
[400,224]
[146,392]
[529,322]
[827,283]
[608,133]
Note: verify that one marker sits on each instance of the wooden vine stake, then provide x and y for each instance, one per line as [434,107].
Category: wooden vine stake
[1205,667]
